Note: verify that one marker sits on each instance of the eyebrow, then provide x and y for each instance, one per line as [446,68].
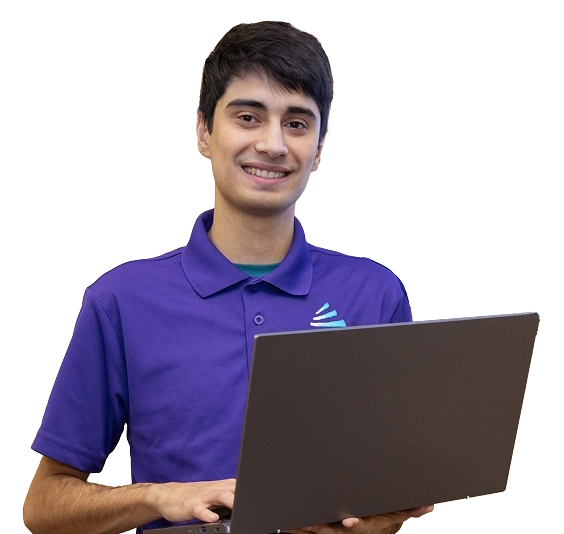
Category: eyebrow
[250,103]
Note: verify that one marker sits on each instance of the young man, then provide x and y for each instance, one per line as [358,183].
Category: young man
[153,334]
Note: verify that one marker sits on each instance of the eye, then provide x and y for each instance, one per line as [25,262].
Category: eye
[247,118]
[296,125]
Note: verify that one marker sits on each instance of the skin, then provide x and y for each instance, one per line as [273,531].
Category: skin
[259,125]
[60,500]
[376,524]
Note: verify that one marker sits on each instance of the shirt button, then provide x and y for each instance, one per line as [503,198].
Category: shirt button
[259,319]
[253,288]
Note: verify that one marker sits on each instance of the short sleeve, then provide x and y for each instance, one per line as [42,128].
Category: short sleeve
[87,408]
[401,313]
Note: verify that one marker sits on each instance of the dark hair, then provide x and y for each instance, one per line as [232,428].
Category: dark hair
[292,58]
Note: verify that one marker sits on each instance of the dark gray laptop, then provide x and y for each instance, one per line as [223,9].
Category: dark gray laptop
[357,421]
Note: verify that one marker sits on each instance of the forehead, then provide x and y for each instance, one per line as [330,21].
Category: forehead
[261,88]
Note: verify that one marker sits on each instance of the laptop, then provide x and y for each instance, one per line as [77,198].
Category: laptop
[357,421]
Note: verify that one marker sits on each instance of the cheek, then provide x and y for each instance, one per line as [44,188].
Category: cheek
[230,150]
[303,150]
[310,158]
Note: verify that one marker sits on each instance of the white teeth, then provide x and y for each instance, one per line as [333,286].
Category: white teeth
[263,173]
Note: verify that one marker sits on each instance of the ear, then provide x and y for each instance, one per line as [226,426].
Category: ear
[317,158]
[330,131]
[203,136]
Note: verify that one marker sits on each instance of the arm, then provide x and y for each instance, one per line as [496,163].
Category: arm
[376,524]
[61,501]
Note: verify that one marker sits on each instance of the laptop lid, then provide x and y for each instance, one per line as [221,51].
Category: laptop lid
[358,421]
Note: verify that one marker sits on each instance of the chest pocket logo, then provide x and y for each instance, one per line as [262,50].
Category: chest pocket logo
[320,318]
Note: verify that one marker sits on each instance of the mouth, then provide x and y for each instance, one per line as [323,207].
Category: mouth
[262,173]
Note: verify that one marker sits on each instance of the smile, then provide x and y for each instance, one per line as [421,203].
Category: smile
[264,174]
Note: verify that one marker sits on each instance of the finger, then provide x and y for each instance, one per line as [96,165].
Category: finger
[412,510]
[218,495]
[351,522]
[356,525]
[418,512]
[200,511]
[226,498]
[349,525]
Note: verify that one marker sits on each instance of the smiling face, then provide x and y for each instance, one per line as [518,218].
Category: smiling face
[264,145]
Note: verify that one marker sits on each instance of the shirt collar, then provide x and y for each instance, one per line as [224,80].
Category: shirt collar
[209,271]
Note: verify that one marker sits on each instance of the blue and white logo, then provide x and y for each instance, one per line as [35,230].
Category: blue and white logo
[320,320]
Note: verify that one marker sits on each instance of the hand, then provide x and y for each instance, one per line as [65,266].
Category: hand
[375,524]
[182,501]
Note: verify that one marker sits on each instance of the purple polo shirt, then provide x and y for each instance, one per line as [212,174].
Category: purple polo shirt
[164,346]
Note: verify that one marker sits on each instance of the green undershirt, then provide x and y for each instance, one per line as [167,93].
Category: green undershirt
[256,270]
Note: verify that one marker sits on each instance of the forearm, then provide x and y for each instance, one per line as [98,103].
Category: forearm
[61,504]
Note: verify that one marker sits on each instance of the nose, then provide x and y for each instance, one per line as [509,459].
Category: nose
[271,141]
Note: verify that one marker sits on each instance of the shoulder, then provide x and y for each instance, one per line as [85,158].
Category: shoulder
[361,268]
[137,276]
[365,287]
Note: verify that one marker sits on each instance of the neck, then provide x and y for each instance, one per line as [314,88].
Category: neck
[252,239]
